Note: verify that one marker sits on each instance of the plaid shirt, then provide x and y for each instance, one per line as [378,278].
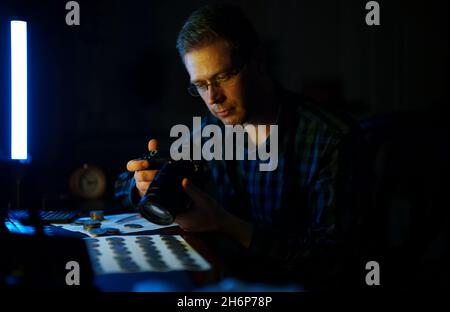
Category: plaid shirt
[293,207]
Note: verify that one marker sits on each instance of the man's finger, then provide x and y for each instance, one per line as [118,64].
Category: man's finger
[137,164]
[152,145]
[142,187]
[145,175]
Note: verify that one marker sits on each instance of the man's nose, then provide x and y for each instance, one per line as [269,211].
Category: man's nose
[214,95]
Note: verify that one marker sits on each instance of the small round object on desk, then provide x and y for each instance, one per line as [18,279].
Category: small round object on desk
[91,224]
[115,239]
[112,230]
[133,226]
[98,215]
[81,221]
[121,252]
[157,264]
[123,258]
[118,247]
[144,242]
[97,232]
[116,243]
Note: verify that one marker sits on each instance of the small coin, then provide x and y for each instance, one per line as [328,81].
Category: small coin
[115,239]
[81,221]
[154,256]
[97,232]
[144,239]
[157,264]
[185,258]
[91,224]
[173,243]
[113,231]
[133,226]
[122,252]
[156,261]
[116,244]
[180,255]
[145,244]
[123,258]
[167,237]
[175,248]
[119,248]
[149,250]
[97,215]
[152,253]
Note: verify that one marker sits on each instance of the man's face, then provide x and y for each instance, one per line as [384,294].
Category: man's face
[227,101]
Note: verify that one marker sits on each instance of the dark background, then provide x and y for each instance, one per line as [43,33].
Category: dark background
[99,91]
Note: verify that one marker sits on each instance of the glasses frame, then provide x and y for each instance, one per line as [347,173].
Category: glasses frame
[193,89]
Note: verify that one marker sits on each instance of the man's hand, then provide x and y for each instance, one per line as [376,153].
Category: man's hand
[206,214]
[142,176]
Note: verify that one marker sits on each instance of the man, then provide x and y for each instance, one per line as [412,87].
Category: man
[283,219]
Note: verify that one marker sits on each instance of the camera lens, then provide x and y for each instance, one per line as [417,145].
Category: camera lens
[156,214]
[165,197]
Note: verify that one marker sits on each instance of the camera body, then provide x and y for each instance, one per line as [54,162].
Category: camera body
[165,197]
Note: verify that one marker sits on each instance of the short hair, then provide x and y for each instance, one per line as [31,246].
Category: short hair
[218,21]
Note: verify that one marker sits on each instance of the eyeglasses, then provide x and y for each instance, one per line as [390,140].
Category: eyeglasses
[223,79]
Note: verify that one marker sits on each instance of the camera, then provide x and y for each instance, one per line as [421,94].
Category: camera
[165,197]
